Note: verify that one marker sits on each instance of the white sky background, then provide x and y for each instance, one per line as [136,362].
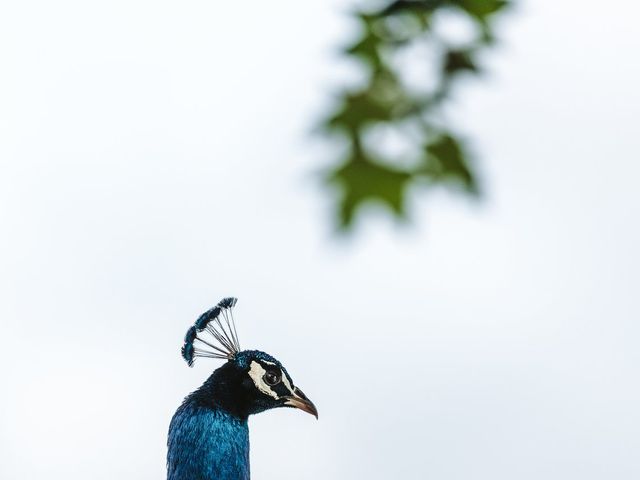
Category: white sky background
[155,156]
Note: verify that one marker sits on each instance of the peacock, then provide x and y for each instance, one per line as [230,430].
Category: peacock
[209,433]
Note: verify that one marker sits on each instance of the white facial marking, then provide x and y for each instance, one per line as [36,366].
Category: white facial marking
[256,372]
[285,380]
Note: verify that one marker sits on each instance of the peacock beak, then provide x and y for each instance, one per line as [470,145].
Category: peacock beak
[300,400]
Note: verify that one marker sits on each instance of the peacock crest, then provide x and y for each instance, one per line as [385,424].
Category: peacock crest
[213,335]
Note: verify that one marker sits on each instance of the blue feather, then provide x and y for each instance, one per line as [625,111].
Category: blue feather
[204,319]
[187,353]
[211,314]
[207,444]
[209,435]
[191,335]
[228,302]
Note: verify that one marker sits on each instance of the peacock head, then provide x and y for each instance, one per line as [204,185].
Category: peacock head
[250,381]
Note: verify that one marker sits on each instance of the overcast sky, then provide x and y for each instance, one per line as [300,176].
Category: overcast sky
[156,156]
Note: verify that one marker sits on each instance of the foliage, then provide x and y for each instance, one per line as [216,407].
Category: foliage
[386,102]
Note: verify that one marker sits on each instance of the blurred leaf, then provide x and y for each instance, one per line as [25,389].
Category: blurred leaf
[383,101]
[481,9]
[367,49]
[456,61]
[362,180]
[403,6]
[447,160]
[387,98]
[358,110]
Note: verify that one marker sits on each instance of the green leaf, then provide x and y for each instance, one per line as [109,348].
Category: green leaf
[358,110]
[447,161]
[362,180]
[384,100]
[387,98]
[405,6]
[457,61]
[481,9]
[367,49]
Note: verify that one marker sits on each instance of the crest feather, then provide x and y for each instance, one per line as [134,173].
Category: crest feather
[213,335]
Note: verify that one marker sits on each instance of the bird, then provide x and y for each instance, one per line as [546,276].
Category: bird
[209,434]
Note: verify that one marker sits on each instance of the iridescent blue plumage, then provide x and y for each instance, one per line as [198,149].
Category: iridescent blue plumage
[204,319]
[187,347]
[207,444]
[190,335]
[228,302]
[187,353]
[218,337]
[209,435]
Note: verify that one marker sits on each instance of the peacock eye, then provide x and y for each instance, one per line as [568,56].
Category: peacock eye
[272,378]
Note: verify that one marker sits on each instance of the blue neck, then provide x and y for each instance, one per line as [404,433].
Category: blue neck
[207,443]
